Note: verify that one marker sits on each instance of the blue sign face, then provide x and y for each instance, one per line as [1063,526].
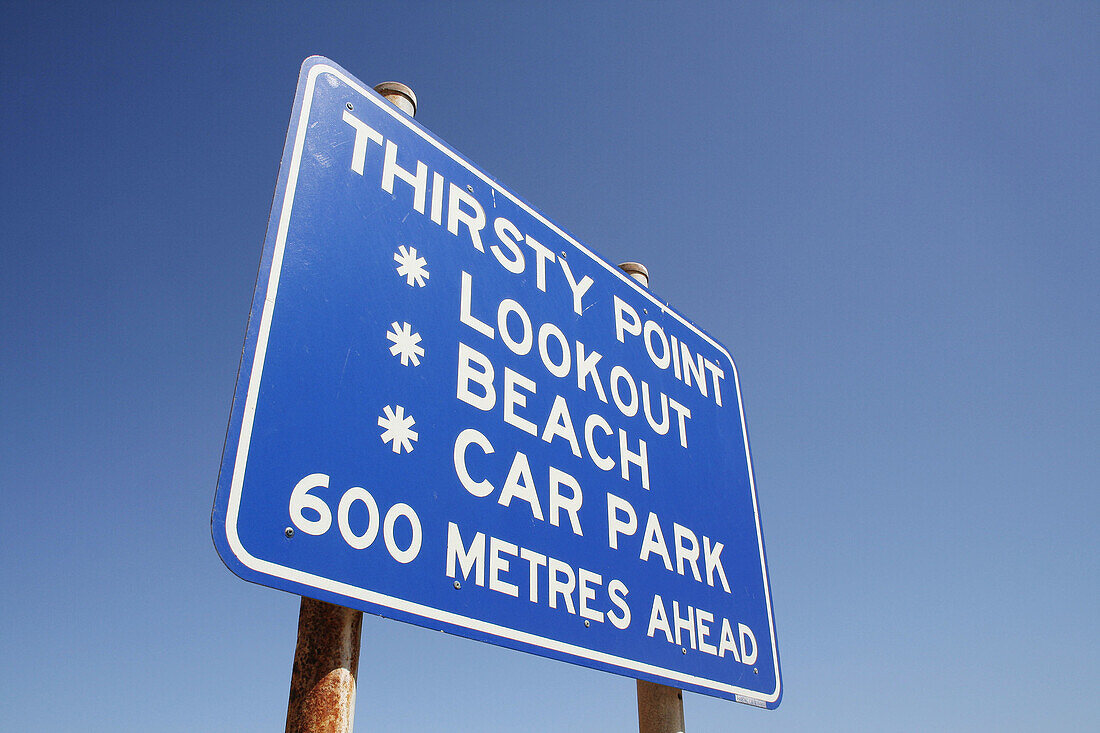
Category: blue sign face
[452,413]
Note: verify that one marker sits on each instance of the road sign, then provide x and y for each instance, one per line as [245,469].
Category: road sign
[451,412]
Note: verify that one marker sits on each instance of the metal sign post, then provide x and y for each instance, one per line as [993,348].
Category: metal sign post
[326,657]
[326,662]
[660,707]
[453,413]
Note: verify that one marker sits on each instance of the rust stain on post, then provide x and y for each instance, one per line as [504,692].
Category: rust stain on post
[326,662]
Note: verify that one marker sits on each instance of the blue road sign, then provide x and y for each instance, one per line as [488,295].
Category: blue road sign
[451,412]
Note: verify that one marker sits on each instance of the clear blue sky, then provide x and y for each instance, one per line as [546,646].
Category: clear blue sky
[888,213]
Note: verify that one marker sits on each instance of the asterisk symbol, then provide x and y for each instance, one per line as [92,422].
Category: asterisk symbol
[406,344]
[398,429]
[410,266]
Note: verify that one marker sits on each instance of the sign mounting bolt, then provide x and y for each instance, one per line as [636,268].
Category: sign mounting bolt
[457,585]
[289,532]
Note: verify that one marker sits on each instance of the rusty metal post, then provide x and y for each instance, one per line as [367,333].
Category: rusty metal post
[326,660]
[660,707]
